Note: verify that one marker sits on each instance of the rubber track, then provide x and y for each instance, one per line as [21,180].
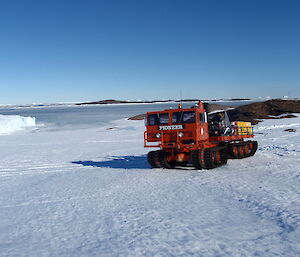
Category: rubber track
[224,156]
[251,153]
[208,163]
[153,159]
[195,158]
[158,159]
[253,150]
[208,160]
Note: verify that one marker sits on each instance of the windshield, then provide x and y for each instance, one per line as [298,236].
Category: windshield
[158,119]
[184,117]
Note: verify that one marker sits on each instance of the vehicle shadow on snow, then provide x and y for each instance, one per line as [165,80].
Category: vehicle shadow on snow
[119,162]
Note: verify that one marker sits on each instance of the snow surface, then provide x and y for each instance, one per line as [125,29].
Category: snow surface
[90,192]
[12,123]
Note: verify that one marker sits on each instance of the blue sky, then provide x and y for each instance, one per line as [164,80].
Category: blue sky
[71,50]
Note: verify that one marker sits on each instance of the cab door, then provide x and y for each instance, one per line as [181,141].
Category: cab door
[202,126]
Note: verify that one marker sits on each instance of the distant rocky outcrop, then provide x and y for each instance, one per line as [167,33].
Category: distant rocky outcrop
[103,102]
[138,117]
[272,109]
[111,101]
[290,130]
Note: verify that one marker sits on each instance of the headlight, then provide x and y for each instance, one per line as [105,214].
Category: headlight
[180,134]
[158,135]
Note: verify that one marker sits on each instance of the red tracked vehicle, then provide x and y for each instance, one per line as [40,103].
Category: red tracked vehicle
[191,137]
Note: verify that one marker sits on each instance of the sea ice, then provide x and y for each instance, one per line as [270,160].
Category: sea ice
[12,123]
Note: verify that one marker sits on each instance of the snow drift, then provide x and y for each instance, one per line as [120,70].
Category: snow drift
[12,123]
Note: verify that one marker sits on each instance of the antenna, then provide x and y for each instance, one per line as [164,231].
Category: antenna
[180,105]
[180,96]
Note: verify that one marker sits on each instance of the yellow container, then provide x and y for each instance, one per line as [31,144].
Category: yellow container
[243,127]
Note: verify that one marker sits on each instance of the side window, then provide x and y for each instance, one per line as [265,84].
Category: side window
[152,119]
[189,117]
[203,117]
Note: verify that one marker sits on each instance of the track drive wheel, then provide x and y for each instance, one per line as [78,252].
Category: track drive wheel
[253,148]
[163,159]
[233,151]
[247,149]
[241,149]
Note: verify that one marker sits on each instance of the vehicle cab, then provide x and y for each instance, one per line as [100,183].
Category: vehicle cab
[176,128]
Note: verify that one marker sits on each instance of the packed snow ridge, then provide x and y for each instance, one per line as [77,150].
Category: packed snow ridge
[12,123]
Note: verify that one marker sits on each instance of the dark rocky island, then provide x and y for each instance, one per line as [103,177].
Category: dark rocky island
[254,112]
[272,109]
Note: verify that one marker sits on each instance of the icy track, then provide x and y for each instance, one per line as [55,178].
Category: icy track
[90,192]
[13,123]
